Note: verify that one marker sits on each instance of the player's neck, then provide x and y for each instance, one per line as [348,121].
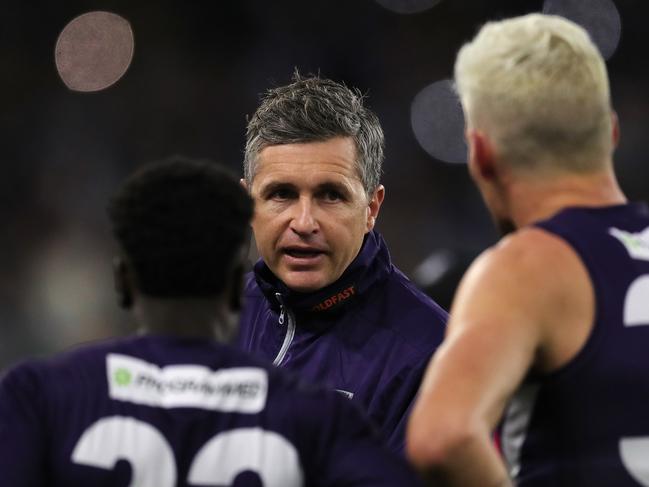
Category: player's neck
[187,317]
[532,201]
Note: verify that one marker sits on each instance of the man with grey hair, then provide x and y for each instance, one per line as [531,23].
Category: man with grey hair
[325,299]
[549,329]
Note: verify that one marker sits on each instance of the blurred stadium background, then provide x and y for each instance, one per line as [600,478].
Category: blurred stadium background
[196,73]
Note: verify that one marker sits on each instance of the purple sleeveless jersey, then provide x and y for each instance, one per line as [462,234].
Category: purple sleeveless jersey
[588,423]
[154,411]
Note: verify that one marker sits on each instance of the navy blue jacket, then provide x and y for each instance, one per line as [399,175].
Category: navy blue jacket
[369,335]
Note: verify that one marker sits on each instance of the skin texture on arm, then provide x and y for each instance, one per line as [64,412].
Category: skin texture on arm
[526,303]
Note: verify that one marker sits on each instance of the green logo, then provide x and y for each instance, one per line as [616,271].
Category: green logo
[122,377]
[632,241]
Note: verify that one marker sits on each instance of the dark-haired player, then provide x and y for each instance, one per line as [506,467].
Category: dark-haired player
[171,406]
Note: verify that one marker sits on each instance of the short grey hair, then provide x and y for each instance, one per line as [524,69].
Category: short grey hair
[538,85]
[314,109]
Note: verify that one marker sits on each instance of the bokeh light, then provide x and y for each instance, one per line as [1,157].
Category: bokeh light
[408,6]
[599,17]
[94,51]
[437,121]
[434,267]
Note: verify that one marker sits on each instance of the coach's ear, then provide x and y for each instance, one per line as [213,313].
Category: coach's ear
[374,207]
[244,183]
[122,283]
[482,162]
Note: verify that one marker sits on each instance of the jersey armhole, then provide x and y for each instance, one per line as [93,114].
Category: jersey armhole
[597,332]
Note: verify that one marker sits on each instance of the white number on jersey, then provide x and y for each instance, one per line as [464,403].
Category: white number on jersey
[216,464]
[635,457]
[635,450]
[636,303]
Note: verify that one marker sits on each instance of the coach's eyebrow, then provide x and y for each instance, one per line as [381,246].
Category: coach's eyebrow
[273,186]
[338,187]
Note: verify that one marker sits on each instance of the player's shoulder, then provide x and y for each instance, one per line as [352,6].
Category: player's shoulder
[89,354]
[23,375]
[32,377]
[521,264]
[77,356]
[529,249]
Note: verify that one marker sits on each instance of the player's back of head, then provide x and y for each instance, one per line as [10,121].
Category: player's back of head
[538,86]
[181,224]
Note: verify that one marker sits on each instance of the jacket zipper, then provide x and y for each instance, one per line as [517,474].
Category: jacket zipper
[285,314]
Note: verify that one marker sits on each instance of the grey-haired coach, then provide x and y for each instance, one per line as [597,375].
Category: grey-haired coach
[325,299]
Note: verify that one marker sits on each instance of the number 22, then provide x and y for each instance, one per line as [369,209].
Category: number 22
[217,463]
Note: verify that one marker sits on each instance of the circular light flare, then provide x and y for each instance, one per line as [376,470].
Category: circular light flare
[407,6]
[94,50]
[437,121]
[600,18]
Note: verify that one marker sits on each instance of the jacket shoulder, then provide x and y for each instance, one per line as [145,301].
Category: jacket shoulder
[250,287]
[414,317]
[254,299]
[417,296]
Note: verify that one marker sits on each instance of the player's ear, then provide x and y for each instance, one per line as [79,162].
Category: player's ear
[374,206]
[122,283]
[482,161]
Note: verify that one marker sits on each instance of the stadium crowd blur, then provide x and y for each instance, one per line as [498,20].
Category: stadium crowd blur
[196,73]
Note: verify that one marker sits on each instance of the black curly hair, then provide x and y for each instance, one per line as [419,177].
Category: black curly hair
[180,224]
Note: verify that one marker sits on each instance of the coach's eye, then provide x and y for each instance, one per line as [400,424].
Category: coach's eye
[281,194]
[332,195]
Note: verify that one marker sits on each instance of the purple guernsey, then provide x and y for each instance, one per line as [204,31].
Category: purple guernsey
[369,335]
[157,411]
[588,423]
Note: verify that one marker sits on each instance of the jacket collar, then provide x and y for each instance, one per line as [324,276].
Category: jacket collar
[371,265]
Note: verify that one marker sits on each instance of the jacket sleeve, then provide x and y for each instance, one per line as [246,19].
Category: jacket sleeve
[22,443]
[393,407]
[351,452]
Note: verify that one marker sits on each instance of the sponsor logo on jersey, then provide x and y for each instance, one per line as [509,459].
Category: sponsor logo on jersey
[637,244]
[336,299]
[237,389]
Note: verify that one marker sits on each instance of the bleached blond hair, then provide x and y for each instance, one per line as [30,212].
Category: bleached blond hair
[537,85]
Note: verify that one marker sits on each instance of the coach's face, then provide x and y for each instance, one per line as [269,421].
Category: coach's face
[311,211]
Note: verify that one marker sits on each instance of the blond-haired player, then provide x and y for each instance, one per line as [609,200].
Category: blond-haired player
[549,331]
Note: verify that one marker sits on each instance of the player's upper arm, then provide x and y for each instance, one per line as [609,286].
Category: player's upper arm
[500,327]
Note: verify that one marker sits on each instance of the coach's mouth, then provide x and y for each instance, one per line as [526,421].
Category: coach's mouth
[302,254]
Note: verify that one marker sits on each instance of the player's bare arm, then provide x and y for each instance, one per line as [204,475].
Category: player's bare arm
[503,323]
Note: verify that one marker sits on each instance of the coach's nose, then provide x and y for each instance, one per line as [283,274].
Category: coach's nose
[303,221]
